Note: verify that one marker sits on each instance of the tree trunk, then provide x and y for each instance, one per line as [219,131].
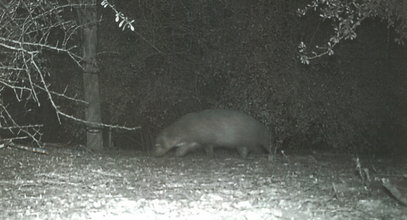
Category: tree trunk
[88,18]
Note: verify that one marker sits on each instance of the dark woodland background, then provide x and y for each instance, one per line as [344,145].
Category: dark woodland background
[191,55]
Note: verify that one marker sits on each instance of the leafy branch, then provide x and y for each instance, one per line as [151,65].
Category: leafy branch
[347,16]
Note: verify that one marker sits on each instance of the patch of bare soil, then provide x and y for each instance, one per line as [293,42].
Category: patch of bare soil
[75,184]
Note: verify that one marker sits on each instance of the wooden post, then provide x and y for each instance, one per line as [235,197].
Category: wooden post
[88,18]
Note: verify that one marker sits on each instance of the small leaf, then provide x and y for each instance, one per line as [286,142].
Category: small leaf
[304,59]
[302,45]
[121,23]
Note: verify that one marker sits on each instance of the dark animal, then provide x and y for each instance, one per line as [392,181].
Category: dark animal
[214,128]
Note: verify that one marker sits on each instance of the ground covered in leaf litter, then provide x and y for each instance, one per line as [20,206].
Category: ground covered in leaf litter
[72,183]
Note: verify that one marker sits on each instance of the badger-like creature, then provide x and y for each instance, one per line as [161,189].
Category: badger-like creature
[214,128]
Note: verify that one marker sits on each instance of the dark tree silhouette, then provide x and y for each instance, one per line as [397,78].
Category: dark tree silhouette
[30,31]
